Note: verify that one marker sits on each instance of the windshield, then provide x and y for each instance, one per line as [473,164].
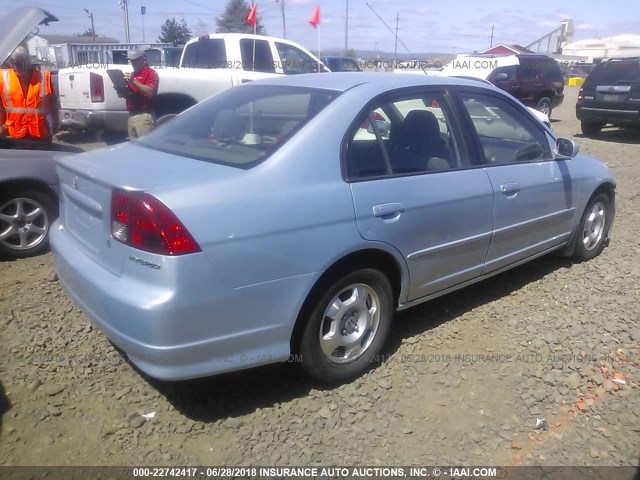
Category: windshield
[241,126]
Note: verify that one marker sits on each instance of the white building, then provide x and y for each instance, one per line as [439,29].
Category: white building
[618,46]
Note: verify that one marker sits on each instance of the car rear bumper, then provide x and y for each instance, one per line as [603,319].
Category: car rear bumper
[608,115]
[200,329]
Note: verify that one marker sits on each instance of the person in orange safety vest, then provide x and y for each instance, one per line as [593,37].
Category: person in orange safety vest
[28,107]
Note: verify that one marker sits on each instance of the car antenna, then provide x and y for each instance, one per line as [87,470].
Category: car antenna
[394,34]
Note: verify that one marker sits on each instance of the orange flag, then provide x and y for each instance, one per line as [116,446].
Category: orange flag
[314,19]
[252,16]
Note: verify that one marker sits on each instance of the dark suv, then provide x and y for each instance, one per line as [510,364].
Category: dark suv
[537,81]
[610,94]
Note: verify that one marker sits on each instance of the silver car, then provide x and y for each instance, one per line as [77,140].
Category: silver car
[28,180]
[294,216]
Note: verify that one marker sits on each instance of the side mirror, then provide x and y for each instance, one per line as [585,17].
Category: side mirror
[501,76]
[381,126]
[566,148]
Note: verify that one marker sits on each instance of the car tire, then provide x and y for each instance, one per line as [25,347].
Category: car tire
[25,220]
[348,327]
[591,129]
[544,106]
[593,228]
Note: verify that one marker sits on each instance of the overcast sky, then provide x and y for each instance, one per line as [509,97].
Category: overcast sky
[454,26]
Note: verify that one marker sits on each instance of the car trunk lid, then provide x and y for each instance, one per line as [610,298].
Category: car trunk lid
[17,25]
[87,183]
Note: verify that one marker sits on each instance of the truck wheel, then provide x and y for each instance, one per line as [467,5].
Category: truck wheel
[25,219]
[591,129]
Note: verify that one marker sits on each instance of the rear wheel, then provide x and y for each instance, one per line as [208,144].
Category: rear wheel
[544,106]
[593,228]
[348,327]
[25,220]
[591,128]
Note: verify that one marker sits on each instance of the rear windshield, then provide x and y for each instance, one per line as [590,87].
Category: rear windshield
[241,126]
[617,72]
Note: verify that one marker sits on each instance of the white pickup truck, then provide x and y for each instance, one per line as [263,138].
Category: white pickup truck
[209,64]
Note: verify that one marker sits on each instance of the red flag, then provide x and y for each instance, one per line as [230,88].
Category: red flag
[314,19]
[252,16]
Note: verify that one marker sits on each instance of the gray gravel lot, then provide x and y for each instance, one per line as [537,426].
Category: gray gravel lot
[461,382]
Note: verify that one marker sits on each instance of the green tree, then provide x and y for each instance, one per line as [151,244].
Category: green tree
[233,20]
[175,33]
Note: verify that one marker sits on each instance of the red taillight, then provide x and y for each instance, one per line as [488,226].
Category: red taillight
[581,93]
[142,221]
[97,87]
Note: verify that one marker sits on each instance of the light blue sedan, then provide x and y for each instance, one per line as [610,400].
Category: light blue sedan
[295,215]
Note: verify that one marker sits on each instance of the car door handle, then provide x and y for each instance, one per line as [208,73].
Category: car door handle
[509,188]
[388,210]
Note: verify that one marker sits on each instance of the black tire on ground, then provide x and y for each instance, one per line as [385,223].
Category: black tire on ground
[544,106]
[34,242]
[591,128]
[353,315]
[593,228]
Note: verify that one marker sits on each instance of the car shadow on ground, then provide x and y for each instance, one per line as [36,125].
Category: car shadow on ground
[239,393]
[630,136]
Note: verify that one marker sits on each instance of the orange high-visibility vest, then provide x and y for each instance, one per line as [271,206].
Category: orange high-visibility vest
[27,117]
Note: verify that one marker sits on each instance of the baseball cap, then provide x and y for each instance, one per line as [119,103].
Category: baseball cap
[135,54]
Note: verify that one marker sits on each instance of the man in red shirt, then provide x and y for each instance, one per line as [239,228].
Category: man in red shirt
[141,104]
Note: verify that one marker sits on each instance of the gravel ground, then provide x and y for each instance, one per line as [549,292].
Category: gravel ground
[462,382]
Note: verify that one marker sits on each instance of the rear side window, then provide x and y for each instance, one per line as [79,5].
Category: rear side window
[260,50]
[616,72]
[208,53]
[241,126]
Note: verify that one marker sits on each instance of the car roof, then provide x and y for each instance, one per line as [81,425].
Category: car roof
[343,81]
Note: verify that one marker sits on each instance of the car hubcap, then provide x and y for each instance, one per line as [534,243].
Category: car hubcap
[23,224]
[594,226]
[350,323]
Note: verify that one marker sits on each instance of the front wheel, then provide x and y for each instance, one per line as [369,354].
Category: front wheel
[348,327]
[25,220]
[544,106]
[593,228]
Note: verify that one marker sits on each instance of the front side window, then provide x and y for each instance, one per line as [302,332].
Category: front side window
[406,135]
[294,61]
[506,134]
[241,126]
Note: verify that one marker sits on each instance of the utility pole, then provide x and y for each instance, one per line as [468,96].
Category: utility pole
[284,20]
[143,11]
[93,30]
[346,30]
[491,37]
[125,7]
[395,52]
